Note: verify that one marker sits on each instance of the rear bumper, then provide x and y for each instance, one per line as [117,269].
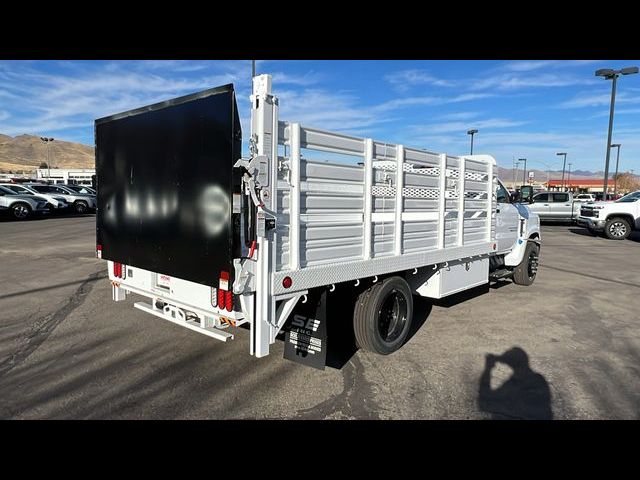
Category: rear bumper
[592,223]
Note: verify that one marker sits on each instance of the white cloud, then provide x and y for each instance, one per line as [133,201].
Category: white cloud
[529,65]
[309,78]
[416,101]
[446,127]
[587,99]
[4,115]
[512,81]
[459,116]
[403,79]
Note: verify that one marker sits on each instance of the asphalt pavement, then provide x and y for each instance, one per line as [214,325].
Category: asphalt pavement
[567,347]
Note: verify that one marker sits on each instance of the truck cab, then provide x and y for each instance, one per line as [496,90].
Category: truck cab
[615,219]
[555,206]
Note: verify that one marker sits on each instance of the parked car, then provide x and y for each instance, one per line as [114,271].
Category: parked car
[21,207]
[54,203]
[80,189]
[80,202]
[555,206]
[585,197]
[600,197]
[616,219]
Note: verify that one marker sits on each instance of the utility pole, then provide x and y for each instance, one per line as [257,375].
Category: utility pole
[610,74]
[564,163]
[472,133]
[524,174]
[615,179]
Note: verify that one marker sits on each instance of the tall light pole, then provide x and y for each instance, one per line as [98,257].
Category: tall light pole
[253,69]
[564,164]
[610,74]
[615,179]
[569,177]
[46,142]
[524,174]
[472,132]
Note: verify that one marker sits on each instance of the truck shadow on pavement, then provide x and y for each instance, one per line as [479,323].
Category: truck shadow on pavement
[525,395]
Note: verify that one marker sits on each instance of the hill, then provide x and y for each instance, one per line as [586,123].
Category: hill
[27,152]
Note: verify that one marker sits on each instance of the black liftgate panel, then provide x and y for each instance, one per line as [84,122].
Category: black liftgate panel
[165,184]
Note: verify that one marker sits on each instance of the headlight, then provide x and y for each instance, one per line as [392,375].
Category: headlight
[597,207]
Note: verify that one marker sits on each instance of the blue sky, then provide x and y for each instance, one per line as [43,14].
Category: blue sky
[530,109]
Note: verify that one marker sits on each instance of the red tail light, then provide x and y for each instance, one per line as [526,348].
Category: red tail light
[221,299]
[224,280]
[118,270]
[228,300]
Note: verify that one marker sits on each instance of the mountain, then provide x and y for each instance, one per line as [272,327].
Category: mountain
[27,152]
[506,174]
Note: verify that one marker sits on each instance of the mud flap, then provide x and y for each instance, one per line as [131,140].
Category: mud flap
[306,337]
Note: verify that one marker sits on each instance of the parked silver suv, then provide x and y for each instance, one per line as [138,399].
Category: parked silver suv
[80,202]
[21,207]
[54,202]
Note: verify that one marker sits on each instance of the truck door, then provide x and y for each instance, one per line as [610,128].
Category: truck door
[507,219]
[560,206]
[540,205]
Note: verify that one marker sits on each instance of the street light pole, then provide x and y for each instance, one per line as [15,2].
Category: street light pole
[472,133]
[569,177]
[564,163]
[615,178]
[524,174]
[46,142]
[610,74]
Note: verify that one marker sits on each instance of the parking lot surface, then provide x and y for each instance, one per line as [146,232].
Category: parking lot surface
[567,347]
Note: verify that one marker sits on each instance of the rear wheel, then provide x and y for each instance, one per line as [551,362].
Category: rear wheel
[526,272]
[382,317]
[20,211]
[617,229]
[81,206]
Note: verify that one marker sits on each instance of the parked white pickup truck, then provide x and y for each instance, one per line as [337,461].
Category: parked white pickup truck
[555,206]
[616,219]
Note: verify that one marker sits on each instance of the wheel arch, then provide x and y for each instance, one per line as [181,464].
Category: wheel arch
[627,216]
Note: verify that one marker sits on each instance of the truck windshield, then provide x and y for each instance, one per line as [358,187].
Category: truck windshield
[632,197]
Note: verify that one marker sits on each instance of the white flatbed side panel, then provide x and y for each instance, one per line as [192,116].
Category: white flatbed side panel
[386,203]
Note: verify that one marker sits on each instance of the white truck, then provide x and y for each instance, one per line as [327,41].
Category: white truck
[216,241]
[616,219]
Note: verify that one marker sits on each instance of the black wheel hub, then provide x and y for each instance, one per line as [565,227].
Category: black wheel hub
[534,261]
[392,316]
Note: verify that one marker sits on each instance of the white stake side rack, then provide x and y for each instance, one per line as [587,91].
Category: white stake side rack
[392,209]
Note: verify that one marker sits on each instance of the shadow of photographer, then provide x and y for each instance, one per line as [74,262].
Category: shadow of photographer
[524,395]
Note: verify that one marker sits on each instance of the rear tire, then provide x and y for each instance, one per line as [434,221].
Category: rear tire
[525,273]
[81,206]
[617,228]
[20,211]
[382,316]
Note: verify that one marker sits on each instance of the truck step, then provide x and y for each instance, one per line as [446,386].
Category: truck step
[190,324]
[498,274]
